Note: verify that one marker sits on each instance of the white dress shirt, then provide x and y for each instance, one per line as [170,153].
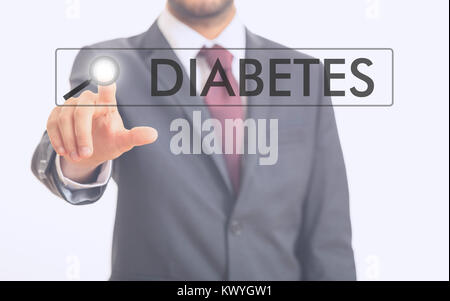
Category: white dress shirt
[179,35]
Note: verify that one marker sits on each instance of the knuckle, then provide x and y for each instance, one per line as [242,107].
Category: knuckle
[79,112]
[81,131]
[52,118]
[86,94]
[70,101]
[51,123]
[69,143]
[52,136]
[86,98]
[83,141]
[64,117]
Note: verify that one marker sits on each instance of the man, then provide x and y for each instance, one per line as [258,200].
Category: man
[204,216]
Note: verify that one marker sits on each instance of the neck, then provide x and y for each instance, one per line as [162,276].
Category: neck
[210,28]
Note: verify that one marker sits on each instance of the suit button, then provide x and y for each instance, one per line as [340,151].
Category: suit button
[236,227]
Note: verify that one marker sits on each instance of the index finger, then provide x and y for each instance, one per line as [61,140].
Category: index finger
[107,94]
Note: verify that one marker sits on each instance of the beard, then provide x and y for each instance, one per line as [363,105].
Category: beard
[200,9]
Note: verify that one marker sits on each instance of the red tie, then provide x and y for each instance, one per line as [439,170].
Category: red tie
[223,106]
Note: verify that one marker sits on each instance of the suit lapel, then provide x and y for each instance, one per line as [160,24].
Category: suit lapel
[188,104]
[249,161]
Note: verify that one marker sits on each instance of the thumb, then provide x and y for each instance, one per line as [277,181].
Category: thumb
[136,137]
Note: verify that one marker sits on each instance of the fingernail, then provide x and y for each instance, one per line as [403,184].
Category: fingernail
[85,151]
[155,134]
[61,150]
[74,156]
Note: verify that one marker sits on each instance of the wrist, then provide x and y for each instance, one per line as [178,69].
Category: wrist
[79,172]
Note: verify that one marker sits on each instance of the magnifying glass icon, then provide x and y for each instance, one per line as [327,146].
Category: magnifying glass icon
[103,71]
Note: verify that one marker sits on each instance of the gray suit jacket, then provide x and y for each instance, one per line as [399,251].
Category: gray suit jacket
[177,217]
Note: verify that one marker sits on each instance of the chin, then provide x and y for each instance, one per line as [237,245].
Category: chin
[200,8]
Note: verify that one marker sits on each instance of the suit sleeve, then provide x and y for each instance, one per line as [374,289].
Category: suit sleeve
[43,161]
[325,242]
[43,167]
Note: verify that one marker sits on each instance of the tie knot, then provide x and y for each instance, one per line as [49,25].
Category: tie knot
[217,52]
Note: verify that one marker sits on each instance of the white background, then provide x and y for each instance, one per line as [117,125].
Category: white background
[397,157]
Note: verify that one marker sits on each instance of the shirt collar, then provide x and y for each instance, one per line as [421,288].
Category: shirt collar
[179,35]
